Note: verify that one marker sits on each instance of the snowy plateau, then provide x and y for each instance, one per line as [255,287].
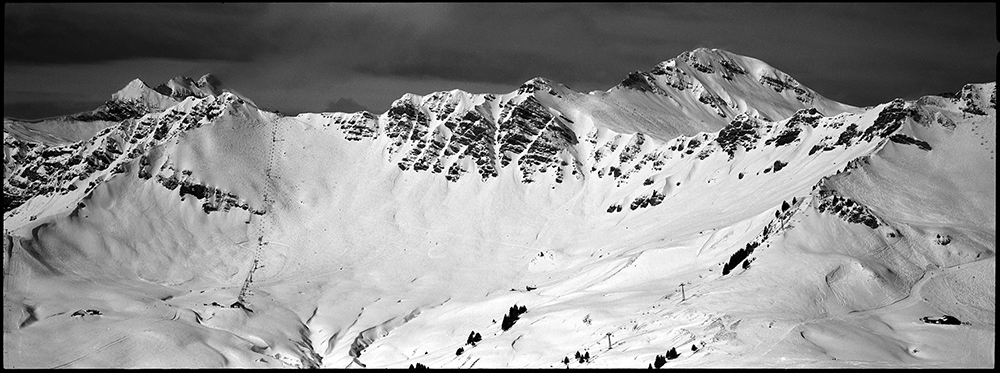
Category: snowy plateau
[709,212]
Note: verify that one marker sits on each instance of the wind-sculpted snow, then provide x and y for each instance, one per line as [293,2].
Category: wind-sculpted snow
[788,230]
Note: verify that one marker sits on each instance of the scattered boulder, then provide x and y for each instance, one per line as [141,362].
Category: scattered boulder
[82,313]
[942,240]
[943,320]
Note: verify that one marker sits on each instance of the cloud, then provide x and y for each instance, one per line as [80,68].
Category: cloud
[84,33]
[301,56]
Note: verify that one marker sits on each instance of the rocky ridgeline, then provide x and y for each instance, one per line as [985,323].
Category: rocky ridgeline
[670,75]
[437,134]
[40,170]
[443,133]
[116,111]
[433,133]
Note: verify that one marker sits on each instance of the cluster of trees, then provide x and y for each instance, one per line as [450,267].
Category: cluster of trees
[580,358]
[660,360]
[512,316]
[738,257]
[473,338]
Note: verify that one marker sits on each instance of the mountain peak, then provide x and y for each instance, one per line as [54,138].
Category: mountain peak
[182,86]
[719,85]
[536,84]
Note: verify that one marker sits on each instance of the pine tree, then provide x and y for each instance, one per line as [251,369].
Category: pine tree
[659,361]
[506,323]
[672,354]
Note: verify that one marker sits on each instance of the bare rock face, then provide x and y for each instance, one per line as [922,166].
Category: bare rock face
[847,209]
[742,132]
[40,170]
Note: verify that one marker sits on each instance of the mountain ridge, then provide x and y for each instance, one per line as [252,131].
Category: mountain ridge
[356,239]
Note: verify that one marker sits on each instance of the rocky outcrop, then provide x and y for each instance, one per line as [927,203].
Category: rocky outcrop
[781,82]
[642,81]
[742,132]
[831,202]
[212,199]
[672,75]
[900,138]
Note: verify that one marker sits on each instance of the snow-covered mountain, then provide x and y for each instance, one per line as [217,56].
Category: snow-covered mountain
[712,205]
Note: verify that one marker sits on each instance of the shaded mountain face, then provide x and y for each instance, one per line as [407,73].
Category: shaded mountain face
[209,232]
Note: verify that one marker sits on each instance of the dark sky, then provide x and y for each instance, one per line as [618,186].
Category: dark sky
[65,58]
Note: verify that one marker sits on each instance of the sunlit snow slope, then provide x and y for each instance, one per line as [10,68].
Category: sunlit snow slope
[194,229]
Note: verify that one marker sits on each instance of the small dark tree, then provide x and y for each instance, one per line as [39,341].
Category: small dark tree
[506,323]
[459,351]
[694,348]
[672,354]
[659,361]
